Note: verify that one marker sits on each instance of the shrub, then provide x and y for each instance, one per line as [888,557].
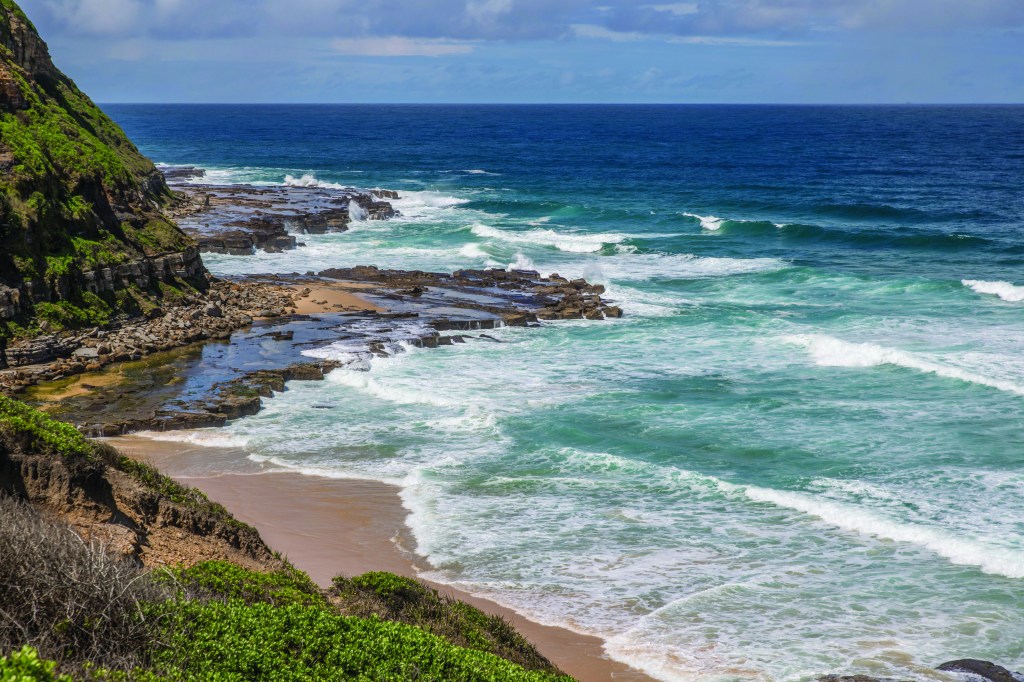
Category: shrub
[228,581]
[396,598]
[67,597]
[33,431]
[26,666]
[235,641]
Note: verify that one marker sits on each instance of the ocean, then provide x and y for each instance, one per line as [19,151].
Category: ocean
[800,452]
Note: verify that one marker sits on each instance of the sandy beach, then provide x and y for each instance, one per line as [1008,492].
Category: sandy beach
[328,527]
[332,298]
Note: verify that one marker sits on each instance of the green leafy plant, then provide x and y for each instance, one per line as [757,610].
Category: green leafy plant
[33,430]
[229,581]
[26,666]
[406,600]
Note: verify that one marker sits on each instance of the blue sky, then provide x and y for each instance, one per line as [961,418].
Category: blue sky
[800,51]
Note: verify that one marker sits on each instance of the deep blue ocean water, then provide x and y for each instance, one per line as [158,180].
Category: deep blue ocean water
[800,452]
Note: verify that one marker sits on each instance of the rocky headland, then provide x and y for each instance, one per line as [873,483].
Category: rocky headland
[242,219]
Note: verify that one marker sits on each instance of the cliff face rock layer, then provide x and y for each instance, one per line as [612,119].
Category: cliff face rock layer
[83,236]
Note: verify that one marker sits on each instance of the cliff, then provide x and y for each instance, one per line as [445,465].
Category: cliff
[83,236]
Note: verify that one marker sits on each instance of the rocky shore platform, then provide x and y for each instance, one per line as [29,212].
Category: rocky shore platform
[214,360]
[242,219]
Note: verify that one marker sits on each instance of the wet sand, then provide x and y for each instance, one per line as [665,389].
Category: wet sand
[332,298]
[328,527]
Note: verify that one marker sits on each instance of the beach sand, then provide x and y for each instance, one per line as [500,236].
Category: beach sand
[333,297]
[328,527]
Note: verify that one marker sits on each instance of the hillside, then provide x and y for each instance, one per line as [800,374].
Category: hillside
[83,236]
[107,567]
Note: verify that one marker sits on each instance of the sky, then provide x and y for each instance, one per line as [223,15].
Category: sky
[525,51]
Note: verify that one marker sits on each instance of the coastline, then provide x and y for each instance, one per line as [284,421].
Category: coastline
[327,526]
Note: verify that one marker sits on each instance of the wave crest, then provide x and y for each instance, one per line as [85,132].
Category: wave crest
[828,351]
[563,241]
[1004,290]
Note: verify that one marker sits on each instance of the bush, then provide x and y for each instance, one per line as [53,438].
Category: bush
[33,431]
[26,666]
[67,597]
[235,641]
[228,581]
[404,600]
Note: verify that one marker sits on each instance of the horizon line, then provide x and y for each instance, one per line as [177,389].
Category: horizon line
[603,104]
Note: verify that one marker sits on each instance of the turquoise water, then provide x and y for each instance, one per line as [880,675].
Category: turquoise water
[799,453]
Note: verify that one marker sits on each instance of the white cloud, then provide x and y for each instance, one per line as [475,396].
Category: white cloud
[602,33]
[397,46]
[98,17]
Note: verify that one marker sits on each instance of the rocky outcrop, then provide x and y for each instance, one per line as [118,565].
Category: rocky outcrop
[266,234]
[543,298]
[967,669]
[145,274]
[226,307]
[242,219]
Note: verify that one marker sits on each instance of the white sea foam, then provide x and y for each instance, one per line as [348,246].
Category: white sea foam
[1004,290]
[410,200]
[325,471]
[471,250]
[639,267]
[309,180]
[212,438]
[987,557]
[707,222]
[520,262]
[356,212]
[563,241]
[828,351]
[365,383]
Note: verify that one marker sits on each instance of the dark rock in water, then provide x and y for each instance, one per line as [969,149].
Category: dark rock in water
[983,669]
[331,220]
[183,173]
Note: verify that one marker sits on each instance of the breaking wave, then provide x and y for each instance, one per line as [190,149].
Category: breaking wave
[828,351]
[1004,290]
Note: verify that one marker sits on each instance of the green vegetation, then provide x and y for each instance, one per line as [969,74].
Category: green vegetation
[25,429]
[31,430]
[105,619]
[228,581]
[75,194]
[405,600]
[88,310]
[238,641]
[26,666]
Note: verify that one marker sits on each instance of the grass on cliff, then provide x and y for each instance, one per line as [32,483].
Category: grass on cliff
[77,195]
[25,429]
[29,430]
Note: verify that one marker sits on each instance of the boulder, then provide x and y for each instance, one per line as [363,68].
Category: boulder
[983,669]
